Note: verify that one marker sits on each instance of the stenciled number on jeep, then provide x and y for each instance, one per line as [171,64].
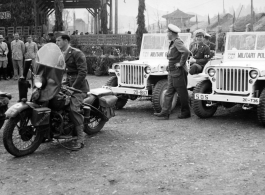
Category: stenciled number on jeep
[250,100]
[139,92]
[201,96]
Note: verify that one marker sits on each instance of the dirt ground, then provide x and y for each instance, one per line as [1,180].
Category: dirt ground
[137,154]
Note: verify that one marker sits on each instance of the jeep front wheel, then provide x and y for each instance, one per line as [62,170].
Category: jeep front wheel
[121,102]
[158,96]
[261,108]
[199,106]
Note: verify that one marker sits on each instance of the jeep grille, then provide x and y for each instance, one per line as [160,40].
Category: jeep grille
[232,80]
[132,75]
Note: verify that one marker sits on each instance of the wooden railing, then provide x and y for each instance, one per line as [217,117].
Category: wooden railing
[107,39]
[22,30]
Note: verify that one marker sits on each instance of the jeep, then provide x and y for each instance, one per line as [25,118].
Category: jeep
[239,79]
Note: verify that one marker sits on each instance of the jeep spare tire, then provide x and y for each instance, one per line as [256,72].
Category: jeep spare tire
[121,102]
[158,96]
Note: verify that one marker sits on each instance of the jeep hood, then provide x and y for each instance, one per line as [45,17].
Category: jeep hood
[260,65]
[151,63]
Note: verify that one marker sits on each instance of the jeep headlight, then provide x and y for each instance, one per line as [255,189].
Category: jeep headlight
[117,68]
[253,74]
[211,72]
[147,69]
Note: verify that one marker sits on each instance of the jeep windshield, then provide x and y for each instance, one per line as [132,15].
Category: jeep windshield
[245,46]
[156,45]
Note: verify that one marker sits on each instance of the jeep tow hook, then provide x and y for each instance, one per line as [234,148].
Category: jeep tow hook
[247,107]
[210,104]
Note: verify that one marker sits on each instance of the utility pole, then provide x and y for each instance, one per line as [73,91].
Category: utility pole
[74,20]
[223,6]
[252,16]
[116,16]
[111,16]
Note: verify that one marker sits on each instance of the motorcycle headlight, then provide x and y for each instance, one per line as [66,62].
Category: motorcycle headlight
[39,81]
[211,72]
[253,74]
[117,68]
[147,69]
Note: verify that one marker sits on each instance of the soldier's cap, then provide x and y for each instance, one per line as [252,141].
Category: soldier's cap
[207,35]
[173,28]
[1,37]
[199,32]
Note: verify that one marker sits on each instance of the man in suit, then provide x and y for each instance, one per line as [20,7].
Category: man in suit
[76,69]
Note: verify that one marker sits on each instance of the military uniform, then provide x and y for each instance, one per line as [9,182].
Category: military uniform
[212,48]
[201,53]
[177,78]
[76,69]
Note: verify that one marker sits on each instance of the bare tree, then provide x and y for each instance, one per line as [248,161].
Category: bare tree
[67,18]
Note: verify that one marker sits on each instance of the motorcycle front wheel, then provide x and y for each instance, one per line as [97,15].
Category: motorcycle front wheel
[93,125]
[20,137]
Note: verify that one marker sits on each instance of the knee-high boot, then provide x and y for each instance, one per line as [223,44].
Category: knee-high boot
[80,138]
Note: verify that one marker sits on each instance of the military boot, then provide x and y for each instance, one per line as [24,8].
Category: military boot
[80,138]
[163,115]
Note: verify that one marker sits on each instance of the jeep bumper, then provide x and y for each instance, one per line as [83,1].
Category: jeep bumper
[226,98]
[123,90]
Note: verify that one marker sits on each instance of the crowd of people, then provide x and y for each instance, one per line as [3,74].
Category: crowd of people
[15,50]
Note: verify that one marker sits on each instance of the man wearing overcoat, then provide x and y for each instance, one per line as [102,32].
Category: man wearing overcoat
[177,75]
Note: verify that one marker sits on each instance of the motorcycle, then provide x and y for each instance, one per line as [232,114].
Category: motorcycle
[46,115]
[4,101]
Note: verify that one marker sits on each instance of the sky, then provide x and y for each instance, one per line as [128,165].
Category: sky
[200,7]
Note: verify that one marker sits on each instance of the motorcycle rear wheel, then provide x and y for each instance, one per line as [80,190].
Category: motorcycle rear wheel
[20,137]
[93,125]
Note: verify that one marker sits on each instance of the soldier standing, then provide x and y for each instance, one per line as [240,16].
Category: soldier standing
[200,53]
[76,69]
[209,44]
[177,75]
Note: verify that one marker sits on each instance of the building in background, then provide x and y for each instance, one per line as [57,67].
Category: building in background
[81,26]
[179,18]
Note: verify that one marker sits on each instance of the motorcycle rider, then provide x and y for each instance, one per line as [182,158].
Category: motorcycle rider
[200,53]
[76,69]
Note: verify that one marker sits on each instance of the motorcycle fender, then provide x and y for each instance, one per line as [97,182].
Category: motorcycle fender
[14,110]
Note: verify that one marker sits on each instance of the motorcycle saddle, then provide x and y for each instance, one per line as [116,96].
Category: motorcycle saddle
[108,101]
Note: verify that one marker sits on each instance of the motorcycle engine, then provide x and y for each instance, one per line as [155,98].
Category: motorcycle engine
[61,124]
